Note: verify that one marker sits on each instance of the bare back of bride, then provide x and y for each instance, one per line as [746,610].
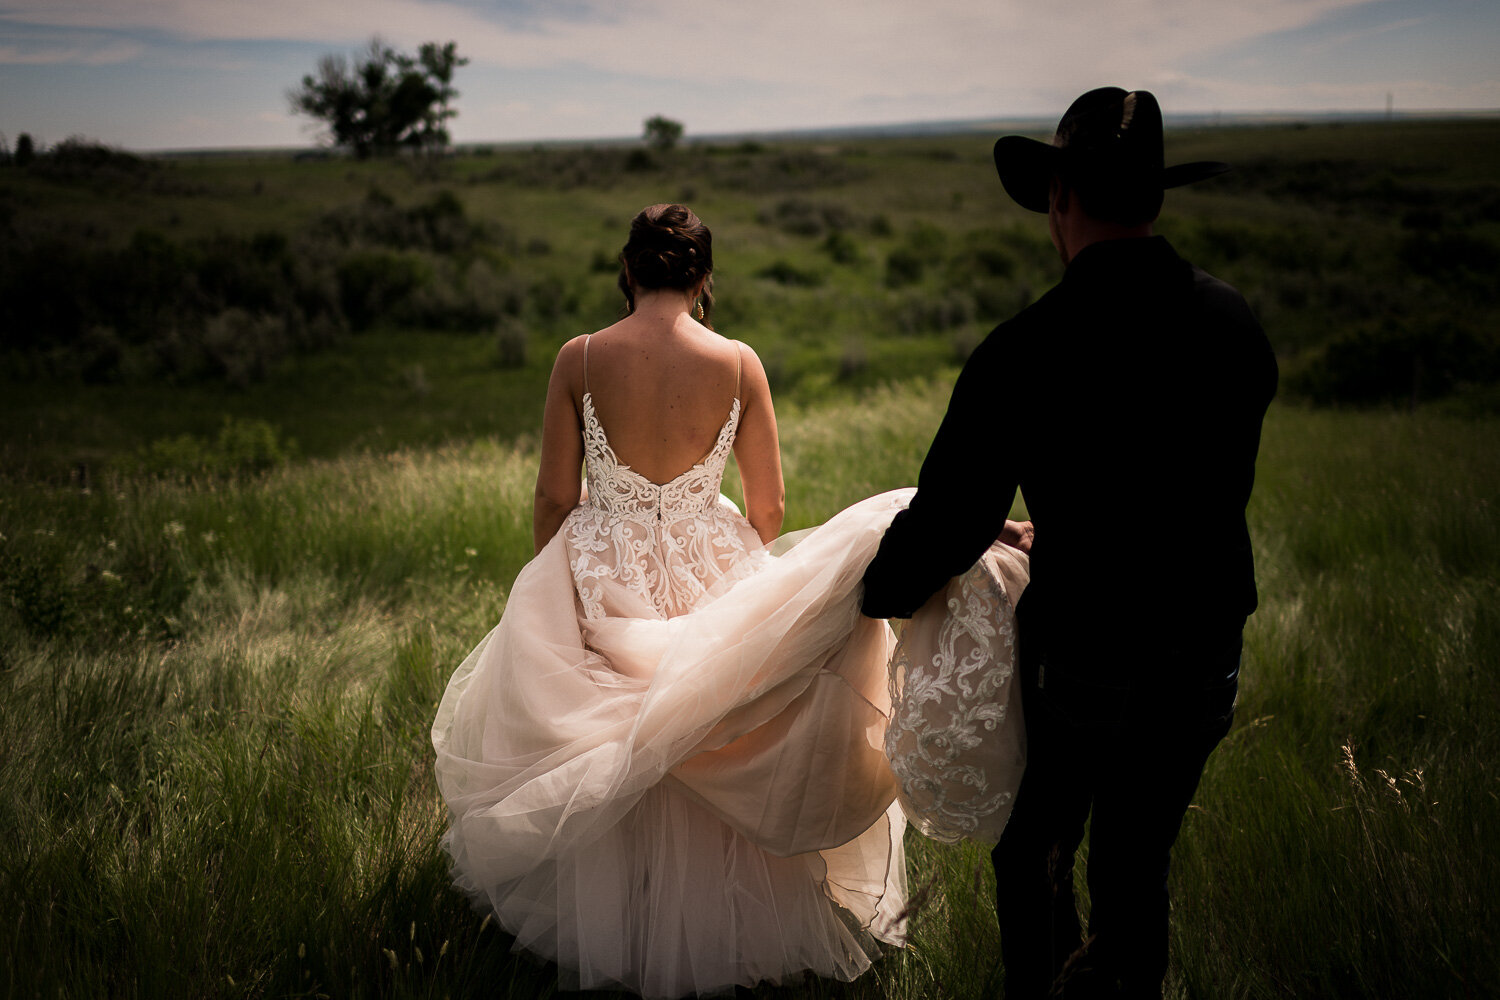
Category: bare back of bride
[664,766]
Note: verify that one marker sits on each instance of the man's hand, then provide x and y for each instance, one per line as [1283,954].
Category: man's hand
[1018,535]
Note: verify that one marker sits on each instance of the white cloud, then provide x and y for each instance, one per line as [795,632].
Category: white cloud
[844,48]
[1344,38]
[1409,93]
[96,52]
[239,20]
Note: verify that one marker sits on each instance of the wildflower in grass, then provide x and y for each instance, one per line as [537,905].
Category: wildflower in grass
[471,552]
[109,577]
[112,545]
[209,538]
[173,529]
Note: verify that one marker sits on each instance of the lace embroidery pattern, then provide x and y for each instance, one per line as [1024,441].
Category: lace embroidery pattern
[623,493]
[950,780]
[666,542]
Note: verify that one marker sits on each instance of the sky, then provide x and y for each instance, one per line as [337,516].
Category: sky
[191,74]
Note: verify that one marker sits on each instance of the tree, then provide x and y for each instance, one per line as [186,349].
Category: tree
[662,133]
[383,100]
[25,149]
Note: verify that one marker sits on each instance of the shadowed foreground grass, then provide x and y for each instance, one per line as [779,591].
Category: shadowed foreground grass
[215,776]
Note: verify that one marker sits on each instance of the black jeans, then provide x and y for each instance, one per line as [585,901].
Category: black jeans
[1128,743]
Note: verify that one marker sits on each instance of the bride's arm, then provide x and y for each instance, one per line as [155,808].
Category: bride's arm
[757,450]
[558,486]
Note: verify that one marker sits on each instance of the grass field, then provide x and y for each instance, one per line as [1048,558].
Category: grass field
[220,654]
[217,779]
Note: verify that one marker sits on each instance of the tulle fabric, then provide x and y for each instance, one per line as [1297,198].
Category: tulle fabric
[682,797]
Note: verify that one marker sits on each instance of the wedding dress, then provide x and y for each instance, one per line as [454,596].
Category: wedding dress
[666,767]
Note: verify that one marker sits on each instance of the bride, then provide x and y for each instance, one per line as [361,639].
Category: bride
[673,766]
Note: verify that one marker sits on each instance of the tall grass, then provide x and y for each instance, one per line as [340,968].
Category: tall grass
[215,778]
[1338,843]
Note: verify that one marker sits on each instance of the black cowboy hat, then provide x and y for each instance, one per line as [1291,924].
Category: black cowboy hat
[1106,133]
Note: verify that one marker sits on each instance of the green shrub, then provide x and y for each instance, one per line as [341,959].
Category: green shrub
[242,348]
[841,248]
[854,358]
[157,307]
[36,591]
[904,266]
[1465,260]
[464,299]
[77,158]
[784,272]
[919,314]
[242,447]
[510,343]
[439,224]
[373,282]
[802,217]
[1399,363]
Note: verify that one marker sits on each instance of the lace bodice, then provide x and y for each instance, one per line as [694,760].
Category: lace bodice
[622,493]
[661,544]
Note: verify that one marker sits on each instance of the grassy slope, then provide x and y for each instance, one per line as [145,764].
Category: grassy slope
[218,782]
[1310,228]
[215,697]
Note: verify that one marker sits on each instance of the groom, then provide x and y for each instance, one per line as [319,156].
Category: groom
[1129,395]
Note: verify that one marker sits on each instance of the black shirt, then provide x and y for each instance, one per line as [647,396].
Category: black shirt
[1126,404]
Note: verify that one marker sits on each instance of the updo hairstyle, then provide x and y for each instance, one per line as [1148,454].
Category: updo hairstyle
[669,247]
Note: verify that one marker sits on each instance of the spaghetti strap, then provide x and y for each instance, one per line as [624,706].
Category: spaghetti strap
[736,368]
[586,338]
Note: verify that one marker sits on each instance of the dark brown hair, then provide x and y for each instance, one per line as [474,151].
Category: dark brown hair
[669,247]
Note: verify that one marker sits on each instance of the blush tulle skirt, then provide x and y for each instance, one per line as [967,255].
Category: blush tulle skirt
[680,803]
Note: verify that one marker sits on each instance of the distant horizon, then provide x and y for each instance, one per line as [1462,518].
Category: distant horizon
[918,127]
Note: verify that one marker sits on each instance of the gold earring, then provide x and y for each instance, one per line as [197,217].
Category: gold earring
[698,308]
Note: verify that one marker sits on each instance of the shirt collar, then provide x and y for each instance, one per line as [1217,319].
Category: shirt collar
[1112,257]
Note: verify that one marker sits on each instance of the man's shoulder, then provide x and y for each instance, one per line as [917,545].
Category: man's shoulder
[1020,330]
[1221,302]
[1219,298]
[1215,288]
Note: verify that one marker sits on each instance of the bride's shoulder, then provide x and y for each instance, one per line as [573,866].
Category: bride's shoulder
[751,369]
[747,355]
[567,367]
[571,353]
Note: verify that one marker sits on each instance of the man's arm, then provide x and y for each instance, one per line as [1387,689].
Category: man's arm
[965,489]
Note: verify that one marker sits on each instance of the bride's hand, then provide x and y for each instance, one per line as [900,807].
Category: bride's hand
[1018,535]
